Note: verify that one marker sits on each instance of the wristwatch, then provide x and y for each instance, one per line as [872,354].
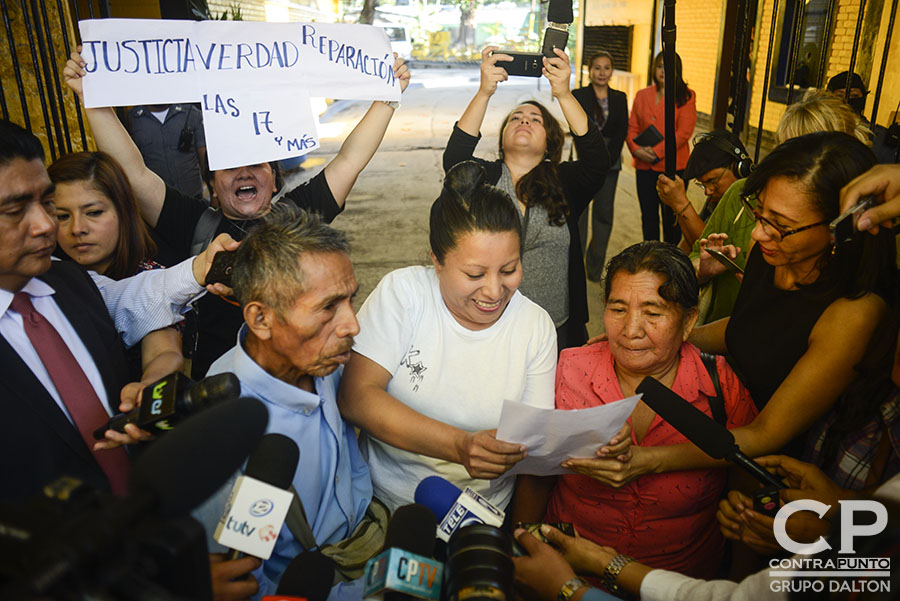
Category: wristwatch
[611,573]
[394,104]
[570,587]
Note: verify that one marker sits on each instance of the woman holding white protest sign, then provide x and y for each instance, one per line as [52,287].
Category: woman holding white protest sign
[243,195]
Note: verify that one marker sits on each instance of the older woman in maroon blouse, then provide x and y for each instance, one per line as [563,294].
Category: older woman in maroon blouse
[664,520]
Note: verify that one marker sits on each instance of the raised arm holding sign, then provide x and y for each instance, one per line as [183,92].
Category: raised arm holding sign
[244,194]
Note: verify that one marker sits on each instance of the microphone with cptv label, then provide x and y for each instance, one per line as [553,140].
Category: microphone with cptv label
[260,498]
[406,569]
[710,436]
[172,398]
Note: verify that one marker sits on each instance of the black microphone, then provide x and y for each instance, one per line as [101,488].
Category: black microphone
[171,477]
[172,398]
[711,437]
[273,463]
[309,576]
[406,569]
[560,11]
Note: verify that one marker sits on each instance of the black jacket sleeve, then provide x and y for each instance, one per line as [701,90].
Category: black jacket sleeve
[460,147]
[616,126]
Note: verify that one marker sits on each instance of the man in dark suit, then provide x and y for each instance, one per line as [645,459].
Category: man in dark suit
[60,349]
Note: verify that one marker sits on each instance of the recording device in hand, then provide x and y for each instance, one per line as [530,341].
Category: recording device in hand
[479,565]
[724,260]
[309,576]
[843,227]
[406,569]
[172,398]
[711,437]
[523,64]
[260,499]
[220,270]
[93,543]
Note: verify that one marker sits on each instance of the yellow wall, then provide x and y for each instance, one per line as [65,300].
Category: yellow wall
[698,33]
[626,12]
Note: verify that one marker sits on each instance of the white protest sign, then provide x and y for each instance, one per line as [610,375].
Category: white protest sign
[280,125]
[238,71]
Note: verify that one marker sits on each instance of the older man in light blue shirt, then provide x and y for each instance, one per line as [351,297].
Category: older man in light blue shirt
[295,282]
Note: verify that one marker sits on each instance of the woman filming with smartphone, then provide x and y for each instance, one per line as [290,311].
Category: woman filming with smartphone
[548,194]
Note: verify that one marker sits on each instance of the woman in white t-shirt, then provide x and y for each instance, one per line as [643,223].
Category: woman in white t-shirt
[440,348]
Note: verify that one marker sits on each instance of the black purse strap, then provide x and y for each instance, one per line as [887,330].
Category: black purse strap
[716,403]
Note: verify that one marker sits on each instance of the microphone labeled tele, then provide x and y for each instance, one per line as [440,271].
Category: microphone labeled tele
[406,569]
[172,398]
[455,508]
[260,498]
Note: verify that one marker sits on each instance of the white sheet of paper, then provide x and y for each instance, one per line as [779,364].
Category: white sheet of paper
[554,435]
[271,125]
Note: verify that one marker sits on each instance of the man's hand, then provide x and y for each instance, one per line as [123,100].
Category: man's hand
[491,74]
[130,398]
[401,72]
[222,575]
[204,261]
[541,574]
[484,456]
[881,181]
[74,71]
[671,192]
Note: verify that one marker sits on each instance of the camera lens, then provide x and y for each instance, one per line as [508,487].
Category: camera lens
[479,567]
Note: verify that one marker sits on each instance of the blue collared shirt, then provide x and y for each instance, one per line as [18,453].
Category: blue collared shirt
[332,478]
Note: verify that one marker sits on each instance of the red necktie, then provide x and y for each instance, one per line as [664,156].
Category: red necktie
[73,387]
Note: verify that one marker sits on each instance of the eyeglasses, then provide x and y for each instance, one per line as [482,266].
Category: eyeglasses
[712,185]
[775,232]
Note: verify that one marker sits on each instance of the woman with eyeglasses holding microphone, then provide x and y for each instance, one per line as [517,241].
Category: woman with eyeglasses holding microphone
[815,320]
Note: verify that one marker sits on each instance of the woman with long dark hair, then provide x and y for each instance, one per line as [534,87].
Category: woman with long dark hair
[549,194]
[100,228]
[649,161]
[609,108]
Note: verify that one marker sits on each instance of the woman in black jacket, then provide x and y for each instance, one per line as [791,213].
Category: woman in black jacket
[609,108]
[548,194]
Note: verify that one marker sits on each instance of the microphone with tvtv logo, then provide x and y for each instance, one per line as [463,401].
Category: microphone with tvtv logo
[455,508]
[406,569]
[260,499]
[171,399]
